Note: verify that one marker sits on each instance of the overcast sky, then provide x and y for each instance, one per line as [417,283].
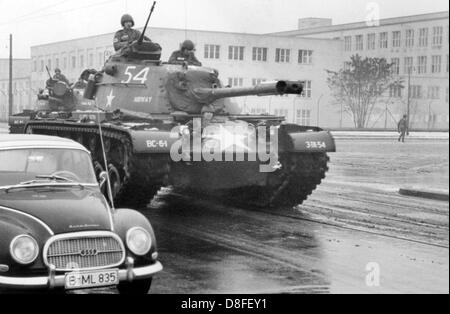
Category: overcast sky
[45,21]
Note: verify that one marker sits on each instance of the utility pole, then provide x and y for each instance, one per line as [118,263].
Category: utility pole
[408,108]
[11,101]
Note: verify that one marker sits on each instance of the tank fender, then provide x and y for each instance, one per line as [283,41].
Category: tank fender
[153,141]
[309,140]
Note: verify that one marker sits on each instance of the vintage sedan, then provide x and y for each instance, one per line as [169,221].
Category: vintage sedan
[58,231]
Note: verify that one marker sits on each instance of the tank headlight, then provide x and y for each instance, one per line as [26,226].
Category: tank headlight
[24,249]
[139,241]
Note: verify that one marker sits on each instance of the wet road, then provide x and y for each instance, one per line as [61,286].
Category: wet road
[355,219]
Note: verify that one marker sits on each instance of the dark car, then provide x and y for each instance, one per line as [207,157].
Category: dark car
[58,231]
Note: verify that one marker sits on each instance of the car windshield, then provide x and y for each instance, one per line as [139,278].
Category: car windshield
[35,164]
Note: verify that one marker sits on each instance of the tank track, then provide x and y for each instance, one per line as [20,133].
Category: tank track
[135,178]
[290,186]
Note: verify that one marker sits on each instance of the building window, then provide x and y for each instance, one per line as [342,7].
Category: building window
[257,81]
[359,39]
[35,66]
[371,41]
[49,64]
[446,95]
[395,91]
[395,66]
[433,92]
[65,63]
[304,117]
[437,35]
[415,92]
[259,54]
[281,112]
[409,64]
[305,56]
[212,52]
[57,62]
[81,61]
[409,41]
[91,60]
[348,43]
[235,82]
[423,37]
[282,55]
[436,64]
[422,64]
[396,39]
[74,62]
[42,65]
[235,53]
[307,89]
[383,40]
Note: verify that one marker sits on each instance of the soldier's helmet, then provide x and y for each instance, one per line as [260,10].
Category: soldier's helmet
[188,45]
[58,71]
[126,18]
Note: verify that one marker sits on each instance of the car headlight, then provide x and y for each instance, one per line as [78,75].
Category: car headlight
[24,249]
[139,241]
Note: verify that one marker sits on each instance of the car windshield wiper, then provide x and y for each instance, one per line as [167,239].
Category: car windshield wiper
[44,180]
[55,178]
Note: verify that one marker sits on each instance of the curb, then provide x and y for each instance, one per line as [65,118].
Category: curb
[439,196]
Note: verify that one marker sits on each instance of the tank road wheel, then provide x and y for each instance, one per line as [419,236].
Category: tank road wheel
[116,182]
[293,183]
[301,176]
[98,169]
[147,174]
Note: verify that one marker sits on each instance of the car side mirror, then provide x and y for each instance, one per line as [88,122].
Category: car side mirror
[103,178]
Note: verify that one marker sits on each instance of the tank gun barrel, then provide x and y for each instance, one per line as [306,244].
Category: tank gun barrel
[263,89]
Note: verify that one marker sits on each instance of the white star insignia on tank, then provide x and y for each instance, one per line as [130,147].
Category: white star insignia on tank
[110,99]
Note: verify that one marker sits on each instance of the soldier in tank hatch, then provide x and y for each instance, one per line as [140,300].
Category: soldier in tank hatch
[185,54]
[127,35]
[60,77]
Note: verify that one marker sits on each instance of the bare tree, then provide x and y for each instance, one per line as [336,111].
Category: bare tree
[360,85]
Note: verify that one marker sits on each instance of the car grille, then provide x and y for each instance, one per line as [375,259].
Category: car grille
[84,251]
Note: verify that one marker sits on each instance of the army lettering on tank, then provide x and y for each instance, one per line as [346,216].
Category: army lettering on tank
[143,99]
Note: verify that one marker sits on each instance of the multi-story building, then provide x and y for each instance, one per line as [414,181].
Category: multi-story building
[22,93]
[418,46]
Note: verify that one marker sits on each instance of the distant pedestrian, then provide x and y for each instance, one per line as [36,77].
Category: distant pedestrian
[403,128]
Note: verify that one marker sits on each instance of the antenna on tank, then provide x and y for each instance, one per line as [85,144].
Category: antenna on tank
[102,143]
[141,39]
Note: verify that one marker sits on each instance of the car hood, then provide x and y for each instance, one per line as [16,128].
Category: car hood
[64,210]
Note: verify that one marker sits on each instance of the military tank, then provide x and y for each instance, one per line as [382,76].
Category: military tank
[170,125]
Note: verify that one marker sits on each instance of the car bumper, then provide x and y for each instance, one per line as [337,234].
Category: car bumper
[53,281]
